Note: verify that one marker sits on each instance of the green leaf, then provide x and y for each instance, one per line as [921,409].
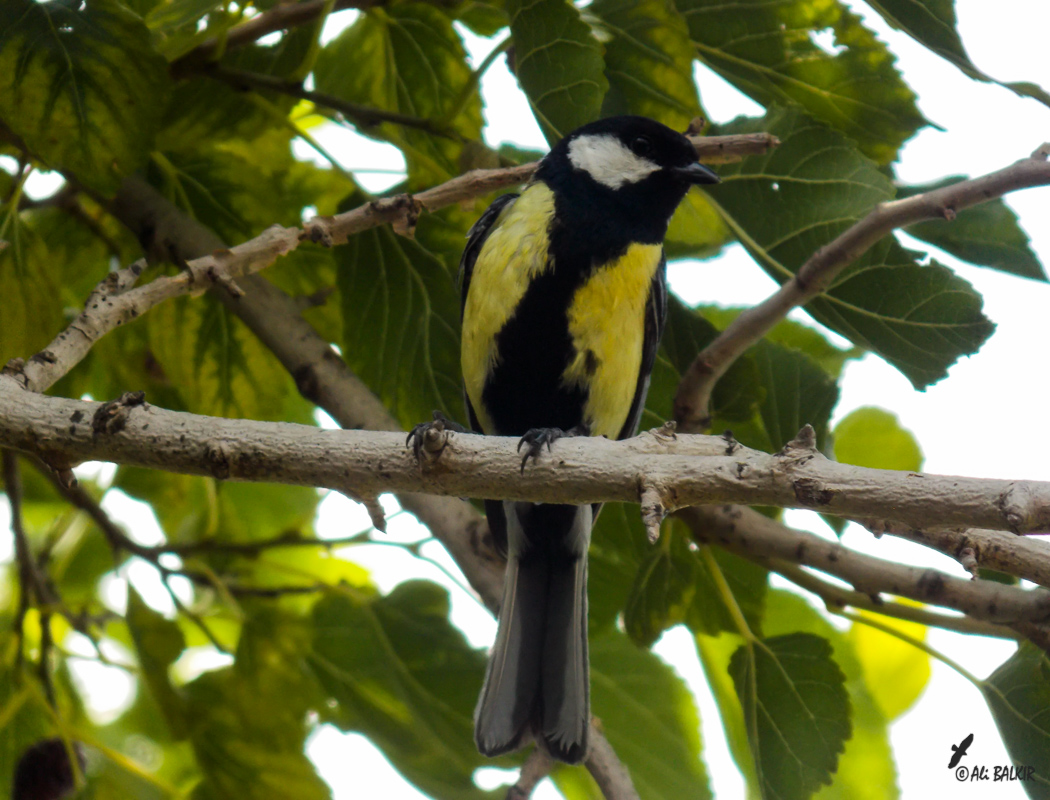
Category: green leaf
[714,653]
[794,335]
[407,58]
[648,61]
[895,671]
[158,642]
[767,50]
[404,677]
[84,88]
[1018,693]
[791,202]
[872,437]
[988,235]
[559,64]
[674,585]
[866,770]
[204,111]
[217,365]
[482,17]
[619,546]
[27,280]
[168,16]
[650,719]
[248,722]
[736,396]
[696,230]
[401,324]
[798,392]
[932,24]
[797,711]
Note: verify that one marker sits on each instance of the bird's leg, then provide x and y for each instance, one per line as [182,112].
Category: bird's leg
[535,438]
[417,436]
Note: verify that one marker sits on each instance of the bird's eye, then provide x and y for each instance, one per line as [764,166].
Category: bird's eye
[641,146]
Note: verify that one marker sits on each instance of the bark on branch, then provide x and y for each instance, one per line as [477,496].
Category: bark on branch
[687,471]
[819,272]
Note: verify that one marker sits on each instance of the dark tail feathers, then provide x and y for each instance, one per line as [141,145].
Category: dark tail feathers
[537,678]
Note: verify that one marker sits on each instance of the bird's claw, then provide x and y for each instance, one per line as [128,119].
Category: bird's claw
[535,438]
[417,437]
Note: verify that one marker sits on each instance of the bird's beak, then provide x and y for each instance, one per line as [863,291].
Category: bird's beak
[697,173]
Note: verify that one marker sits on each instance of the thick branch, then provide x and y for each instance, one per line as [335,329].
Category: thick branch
[819,272]
[689,470]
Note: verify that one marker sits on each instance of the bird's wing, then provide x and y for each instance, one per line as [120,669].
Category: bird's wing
[655,318]
[476,237]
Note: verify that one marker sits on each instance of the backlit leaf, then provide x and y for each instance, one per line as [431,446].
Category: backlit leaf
[81,85]
[404,677]
[407,58]
[401,324]
[872,437]
[895,672]
[648,61]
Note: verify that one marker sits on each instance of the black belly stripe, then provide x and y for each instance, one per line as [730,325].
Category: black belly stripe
[534,347]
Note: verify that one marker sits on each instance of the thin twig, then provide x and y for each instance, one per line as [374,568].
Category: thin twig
[32,582]
[607,770]
[819,272]
[360,115]
[536,767]
[280,17]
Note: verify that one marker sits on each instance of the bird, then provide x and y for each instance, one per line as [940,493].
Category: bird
[564,298]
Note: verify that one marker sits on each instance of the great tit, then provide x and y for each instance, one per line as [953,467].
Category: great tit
[564,299]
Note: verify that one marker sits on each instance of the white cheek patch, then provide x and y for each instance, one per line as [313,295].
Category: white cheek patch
[608,160]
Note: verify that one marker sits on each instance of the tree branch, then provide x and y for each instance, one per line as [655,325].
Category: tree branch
[819,272]
[758,538]
[1026,558]
[281,17]
[403,210]
[836,598]
[582,470]
[33,585]
[536,767]
[359,115]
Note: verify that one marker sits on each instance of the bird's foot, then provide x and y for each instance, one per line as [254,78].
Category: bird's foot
[535,438]
[432,436]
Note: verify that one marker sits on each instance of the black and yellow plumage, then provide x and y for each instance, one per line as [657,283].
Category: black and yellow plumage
[564,300]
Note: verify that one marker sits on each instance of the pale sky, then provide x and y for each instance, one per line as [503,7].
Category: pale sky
[987,419]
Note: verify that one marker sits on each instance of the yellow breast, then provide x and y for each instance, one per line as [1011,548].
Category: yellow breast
[607,325]
[514,253]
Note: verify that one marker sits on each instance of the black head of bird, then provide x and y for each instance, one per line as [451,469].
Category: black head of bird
[624,169]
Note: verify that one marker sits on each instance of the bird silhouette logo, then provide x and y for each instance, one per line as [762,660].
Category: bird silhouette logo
[959,750]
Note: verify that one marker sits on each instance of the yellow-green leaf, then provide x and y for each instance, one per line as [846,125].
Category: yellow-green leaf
[895,672]
[81,85]
[872,437]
